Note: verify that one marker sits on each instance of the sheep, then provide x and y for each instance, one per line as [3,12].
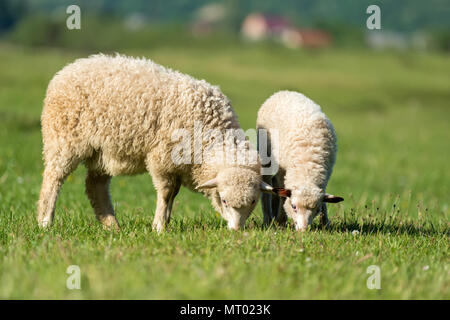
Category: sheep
[118,115]
[305,153]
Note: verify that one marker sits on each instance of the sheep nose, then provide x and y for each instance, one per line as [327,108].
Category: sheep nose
[301,227]
[233,226]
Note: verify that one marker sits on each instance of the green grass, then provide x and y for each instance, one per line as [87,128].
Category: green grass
[391,114]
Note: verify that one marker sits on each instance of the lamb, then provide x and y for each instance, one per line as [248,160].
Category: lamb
[306,153]
[118,115]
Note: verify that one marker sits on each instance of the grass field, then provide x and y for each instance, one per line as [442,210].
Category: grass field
[391,113]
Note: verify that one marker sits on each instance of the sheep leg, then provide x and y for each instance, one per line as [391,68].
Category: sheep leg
[266,204]
[324,222]
[55,172]
[172,198]
[276,200]
[97,190]
[282,218]
[166,192]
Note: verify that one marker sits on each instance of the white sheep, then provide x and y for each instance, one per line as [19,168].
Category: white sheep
[306,155]
[119,115]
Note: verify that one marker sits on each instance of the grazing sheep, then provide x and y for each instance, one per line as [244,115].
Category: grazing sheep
[118,115]
[306,155]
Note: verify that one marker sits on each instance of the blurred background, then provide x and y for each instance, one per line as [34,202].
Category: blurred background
[301,25]
[387,91]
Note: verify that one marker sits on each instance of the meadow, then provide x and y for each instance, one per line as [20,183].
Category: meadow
[391,113]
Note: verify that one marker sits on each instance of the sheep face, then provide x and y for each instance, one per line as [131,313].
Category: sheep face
[234,216]
[305,203]
[238,190]
[301,216]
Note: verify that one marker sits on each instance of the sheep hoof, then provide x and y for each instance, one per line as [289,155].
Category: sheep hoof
[44,223]
[281,220]
[159,228]
[109,223]
[325,224]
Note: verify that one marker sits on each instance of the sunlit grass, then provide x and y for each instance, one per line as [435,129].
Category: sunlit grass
[391,115]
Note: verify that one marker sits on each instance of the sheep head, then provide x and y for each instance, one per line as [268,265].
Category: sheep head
[304,203]
[237,192]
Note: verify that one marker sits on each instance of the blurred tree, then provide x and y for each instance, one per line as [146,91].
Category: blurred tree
[399,15]
[33,21]
[10,12]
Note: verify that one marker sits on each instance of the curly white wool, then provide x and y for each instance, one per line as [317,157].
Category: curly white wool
[306,156]
[117,115]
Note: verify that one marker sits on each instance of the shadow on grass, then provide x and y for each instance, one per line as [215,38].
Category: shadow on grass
[394,227]
[410,228]
[211,222]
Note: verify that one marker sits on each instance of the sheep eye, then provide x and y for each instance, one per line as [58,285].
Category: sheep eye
[294,206]
[224,202]
[253,202]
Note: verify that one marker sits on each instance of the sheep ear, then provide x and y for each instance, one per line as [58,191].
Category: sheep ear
[265,187]
[281,192]
[332,199]
[208,184]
